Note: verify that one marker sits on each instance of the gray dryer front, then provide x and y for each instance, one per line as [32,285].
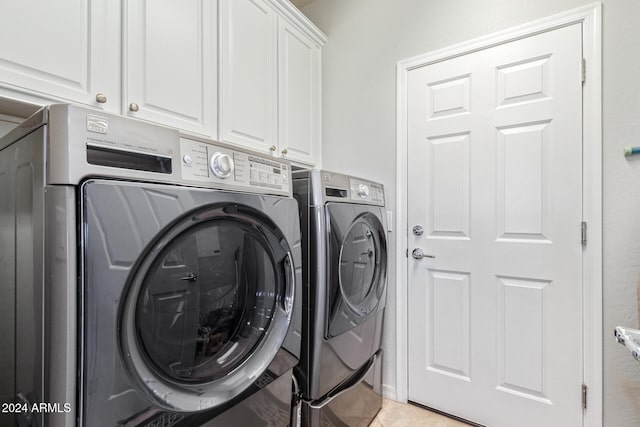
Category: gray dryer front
[344,254]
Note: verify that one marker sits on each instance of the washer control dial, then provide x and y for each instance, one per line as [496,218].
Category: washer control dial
[363,190]
[221,165]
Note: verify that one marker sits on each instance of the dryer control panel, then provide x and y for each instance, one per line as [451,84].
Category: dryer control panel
[214,163]
[366,191]
[337,187]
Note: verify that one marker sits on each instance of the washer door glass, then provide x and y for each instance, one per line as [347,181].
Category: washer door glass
[212,299]
[204,306]
[358,265]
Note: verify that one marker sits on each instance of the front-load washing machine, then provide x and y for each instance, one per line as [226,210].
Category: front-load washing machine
[146,278]
[344,293]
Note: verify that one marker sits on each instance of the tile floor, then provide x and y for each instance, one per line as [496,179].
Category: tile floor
[394,414]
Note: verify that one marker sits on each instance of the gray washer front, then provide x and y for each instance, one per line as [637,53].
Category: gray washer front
[187,295]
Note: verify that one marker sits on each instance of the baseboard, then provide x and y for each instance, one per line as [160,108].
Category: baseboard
[389,392]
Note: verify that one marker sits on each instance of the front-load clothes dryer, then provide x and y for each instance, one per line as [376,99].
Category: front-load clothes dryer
[147,278]
[344,293]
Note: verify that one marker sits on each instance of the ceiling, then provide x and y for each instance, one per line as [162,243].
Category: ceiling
[300,3]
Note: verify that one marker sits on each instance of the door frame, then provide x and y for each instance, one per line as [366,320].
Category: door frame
[590,16]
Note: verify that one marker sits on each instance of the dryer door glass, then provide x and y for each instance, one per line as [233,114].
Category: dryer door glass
[358,256]
[359,259]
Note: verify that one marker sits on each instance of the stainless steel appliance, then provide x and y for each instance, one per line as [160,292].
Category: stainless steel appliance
[147,278]
[344,295]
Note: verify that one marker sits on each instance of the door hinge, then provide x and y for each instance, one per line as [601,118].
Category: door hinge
[583,233]
[407,254]
[584,70]
[584,396]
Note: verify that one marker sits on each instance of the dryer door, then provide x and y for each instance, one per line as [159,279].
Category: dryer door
[357,265]
[207,306]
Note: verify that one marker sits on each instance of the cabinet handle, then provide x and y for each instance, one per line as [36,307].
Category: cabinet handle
[272,148]
[134,107]
[101,98]
[284,152]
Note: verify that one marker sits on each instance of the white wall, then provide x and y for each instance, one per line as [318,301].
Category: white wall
[621,198]
[368,37]
[14,112]
[8,123]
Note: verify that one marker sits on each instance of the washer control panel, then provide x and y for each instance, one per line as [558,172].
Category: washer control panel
[221,164]
[206,162]
[366,191]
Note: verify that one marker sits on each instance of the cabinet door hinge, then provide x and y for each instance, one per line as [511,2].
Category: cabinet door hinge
[584,396]
[583,233]
[584,70]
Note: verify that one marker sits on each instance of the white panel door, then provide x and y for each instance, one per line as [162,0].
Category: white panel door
[62,49]
[298,94]
[495,180]
[248,42]
[171,63]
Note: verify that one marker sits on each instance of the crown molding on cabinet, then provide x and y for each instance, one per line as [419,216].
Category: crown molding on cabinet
[287,9]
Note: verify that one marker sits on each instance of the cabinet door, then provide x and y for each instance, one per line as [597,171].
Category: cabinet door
[62,49]
[248,32]
[298,95]
[171,63]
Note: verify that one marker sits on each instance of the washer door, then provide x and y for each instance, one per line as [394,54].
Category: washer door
[358,265]
[207,307]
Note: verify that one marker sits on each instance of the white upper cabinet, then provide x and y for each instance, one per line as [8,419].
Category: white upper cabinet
[62,50]
[171,61]
[270,79]
[246,72]
[248,66]
[298,94]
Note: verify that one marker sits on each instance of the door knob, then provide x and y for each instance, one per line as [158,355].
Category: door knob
[284,152]
[101,98]
[418,253]
[134,107]
[272,148]
[418,230]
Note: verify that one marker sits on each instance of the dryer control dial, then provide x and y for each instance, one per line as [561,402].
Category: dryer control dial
[221,165]
[363,190]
